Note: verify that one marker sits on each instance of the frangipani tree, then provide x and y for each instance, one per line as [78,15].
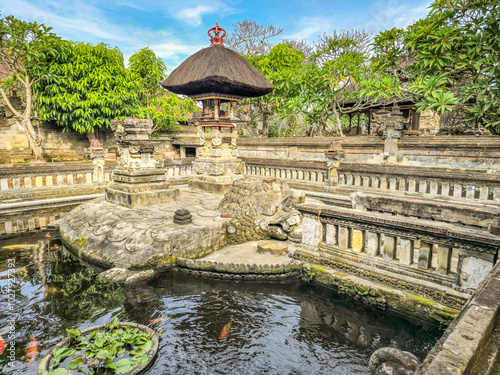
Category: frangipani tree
[24,51]
[455,59]
[339,79]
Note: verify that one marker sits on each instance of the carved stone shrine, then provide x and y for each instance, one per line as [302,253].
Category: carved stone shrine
[218,77]
[137,181]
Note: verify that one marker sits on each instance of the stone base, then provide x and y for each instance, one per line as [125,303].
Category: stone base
[272,247]
[213,184]
[143,198]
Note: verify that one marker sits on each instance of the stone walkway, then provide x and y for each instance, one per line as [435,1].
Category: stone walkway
[245,253]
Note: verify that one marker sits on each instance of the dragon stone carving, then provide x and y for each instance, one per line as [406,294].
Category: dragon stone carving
[260,209]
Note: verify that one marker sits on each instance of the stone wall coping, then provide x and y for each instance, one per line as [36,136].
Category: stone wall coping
[285,163]
[458,349]
[424,172]
[236,268]
[40,169]
[455,142]
[485,207]
[362,141]
[419,226]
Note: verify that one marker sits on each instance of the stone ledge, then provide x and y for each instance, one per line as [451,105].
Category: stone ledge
[457,352]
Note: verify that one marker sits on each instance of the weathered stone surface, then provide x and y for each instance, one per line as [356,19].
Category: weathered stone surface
[469,343]
[116,236]
[392,361]
[272,247]
[260,210]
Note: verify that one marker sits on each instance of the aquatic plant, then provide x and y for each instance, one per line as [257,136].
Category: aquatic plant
[118,348]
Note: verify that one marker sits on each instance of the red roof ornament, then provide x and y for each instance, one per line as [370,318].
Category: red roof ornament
[216,39]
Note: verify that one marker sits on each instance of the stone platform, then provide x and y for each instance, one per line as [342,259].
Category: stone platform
[111,235]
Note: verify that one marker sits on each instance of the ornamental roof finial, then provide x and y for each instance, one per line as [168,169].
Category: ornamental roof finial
[216,39]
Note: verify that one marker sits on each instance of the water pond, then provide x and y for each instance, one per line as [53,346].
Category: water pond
[208,326]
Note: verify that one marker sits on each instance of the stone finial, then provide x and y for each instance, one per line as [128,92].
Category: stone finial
[183,217]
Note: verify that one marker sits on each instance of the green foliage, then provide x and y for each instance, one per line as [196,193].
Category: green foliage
[454,58]
[165,109]
[92,87]
[25,49]
[279,67]
[103,350]
[151,69]
[338,79]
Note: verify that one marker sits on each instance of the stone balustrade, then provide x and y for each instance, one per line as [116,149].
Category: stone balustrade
[299,171]
[34,176]
[460,183]
[406,253]
[444,182]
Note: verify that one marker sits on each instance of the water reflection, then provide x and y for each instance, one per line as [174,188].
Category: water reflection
[209,326]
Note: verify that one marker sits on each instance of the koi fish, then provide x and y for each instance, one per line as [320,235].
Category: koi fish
[225,331]
[48,235]
[158,320]
[51,291]
[31,350]
[2,344]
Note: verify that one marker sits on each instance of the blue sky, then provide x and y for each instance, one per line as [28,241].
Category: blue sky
[177,29]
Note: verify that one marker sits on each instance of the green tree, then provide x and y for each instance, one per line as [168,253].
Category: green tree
[92,87]
[24,50]
[279,67]
[455,58]
[339,79]
[164,108]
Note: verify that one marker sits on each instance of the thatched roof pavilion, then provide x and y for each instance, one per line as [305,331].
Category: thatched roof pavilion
[217,70]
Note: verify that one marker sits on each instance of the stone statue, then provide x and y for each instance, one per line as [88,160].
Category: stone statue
[260,209]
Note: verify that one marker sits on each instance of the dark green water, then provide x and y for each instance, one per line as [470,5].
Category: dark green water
[289,328]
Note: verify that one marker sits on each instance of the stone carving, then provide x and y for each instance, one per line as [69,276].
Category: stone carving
[96,153]
[183,217]
[216,138]
[392,361]
[261,209]
[335,153]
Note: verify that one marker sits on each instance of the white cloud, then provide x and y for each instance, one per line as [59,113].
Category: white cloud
[193,15]
[396,13]
[310,27]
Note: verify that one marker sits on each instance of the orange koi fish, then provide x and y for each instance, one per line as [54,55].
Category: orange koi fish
[225,331]
[2,344]
[48,235]
[158,320]
[31,350]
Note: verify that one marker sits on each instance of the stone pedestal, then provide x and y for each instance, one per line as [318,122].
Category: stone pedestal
[393,123]
[217,167]
[141,187]
[137,181]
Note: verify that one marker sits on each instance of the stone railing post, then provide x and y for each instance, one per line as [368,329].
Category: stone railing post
[393,123]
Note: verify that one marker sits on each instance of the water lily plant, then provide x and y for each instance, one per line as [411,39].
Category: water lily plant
[116,349]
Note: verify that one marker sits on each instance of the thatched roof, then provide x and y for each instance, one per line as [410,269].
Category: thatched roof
[217,69]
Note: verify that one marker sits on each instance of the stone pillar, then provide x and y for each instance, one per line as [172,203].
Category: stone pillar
[393,123]
[334,155]
[425,256]
[136,180]
[312,231]
[472,270]
[390,244]
[96,153]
